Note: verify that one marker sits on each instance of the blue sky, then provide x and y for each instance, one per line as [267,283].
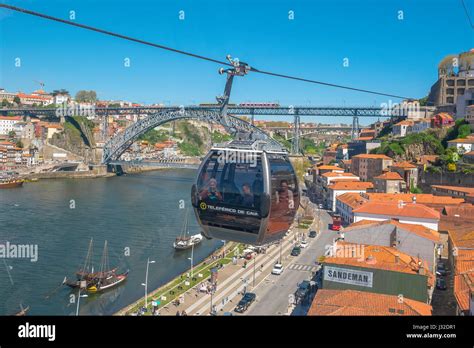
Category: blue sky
[385,54]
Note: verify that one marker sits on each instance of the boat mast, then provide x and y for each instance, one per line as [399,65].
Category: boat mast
[88,261]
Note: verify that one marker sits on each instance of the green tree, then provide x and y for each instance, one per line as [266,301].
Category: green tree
[11,134]
[17,100]
[5,103]
[86,96]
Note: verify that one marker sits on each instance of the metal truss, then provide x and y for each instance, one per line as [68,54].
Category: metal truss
[117,145]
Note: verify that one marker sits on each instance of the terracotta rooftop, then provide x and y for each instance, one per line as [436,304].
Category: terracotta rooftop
[372,156]
[352,199]
[464,211]
[419,230]
[335,175]
[383,257]
[404,123]
[468,190]
[352,302]
[389,176]
[351,185]
[328,167]
[462,236]
[423,198]
[462,141]
[364,138]
[404,165]
[463,285]
[394,209]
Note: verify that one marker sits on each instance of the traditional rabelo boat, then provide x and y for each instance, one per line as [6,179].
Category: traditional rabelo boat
[94,282]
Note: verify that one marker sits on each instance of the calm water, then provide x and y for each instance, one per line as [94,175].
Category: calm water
[140,212]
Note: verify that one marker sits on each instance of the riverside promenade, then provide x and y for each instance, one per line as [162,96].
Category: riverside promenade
[235,276]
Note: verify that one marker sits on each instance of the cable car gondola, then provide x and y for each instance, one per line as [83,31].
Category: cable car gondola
[245,194]
[246,191]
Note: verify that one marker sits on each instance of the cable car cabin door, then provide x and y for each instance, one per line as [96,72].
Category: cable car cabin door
[231,195]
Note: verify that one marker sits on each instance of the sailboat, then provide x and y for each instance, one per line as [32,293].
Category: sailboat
[184,240]
[96,281]
[106,278]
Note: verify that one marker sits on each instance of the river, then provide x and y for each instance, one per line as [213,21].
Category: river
[138,213]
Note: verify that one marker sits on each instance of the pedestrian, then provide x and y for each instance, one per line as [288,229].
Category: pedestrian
[177,313]
[261,267]
[184,314]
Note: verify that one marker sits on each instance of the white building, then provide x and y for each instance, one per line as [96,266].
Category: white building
[7,123]
[462,145]
[407,213]
[421,125]
[341,187]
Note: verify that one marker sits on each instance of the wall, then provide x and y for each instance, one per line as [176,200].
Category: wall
[447,178]
[413,286]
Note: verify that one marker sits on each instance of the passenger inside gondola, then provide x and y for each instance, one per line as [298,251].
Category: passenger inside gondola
[247,199]
[210,193]
[284,196]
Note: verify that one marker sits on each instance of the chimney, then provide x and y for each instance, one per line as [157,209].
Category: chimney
[397,258]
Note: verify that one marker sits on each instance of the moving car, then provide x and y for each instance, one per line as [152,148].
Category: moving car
[295,251]
[277,269]
[245,302]
[303,244]
[312,234]
[441,284]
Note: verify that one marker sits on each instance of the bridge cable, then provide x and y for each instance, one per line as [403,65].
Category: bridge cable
[87,27]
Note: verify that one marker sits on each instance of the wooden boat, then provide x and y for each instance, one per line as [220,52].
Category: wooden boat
[11,183]
[92,281]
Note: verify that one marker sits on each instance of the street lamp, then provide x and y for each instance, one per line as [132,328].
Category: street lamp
[191,259]
[253,286]
[148,262]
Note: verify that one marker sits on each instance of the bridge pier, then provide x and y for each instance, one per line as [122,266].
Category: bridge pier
[115,168]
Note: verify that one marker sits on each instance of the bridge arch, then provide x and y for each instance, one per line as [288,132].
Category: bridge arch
[119,143]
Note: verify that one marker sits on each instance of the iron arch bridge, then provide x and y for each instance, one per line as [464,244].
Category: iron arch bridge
[119,143]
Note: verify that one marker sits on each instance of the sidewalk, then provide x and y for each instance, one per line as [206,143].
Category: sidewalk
[232,279]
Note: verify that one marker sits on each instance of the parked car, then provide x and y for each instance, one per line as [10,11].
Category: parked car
[302,291]
[441,284]
[312,234]
[245,302]
[277,269]
[303,244]
[295,251]
[441,269]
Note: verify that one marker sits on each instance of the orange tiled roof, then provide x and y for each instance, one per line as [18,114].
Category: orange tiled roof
[462,141]
[423,198]
[405,165]
[351,185]
[468,190]
[352,199]
[463,285]
[11,118]
[419,230]
[352,302]
[364,138]
[404,123]
[328,167]
[382,257]
[396,209]
[372,156]
[336,175]
[463,236]
[389,176]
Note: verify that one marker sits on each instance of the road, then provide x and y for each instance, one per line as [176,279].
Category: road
[273,292]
